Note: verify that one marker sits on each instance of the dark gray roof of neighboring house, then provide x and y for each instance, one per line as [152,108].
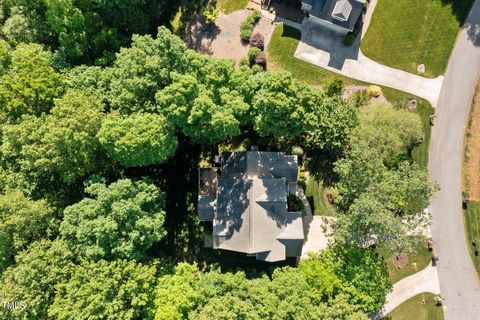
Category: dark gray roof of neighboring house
[350,10]
[251,205]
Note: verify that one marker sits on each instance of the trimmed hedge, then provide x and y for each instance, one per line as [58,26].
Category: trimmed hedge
[349,39]
[246,28]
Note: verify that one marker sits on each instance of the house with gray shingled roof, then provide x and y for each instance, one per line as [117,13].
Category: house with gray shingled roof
[337,15]
[245,199]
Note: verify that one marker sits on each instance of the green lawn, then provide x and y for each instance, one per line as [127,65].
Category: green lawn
[228,6]
[420,255]
[415,309]
[316,198]
[280,54]
[406,33]
[472,227]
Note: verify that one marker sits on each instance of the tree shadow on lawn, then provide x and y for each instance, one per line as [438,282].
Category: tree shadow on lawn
[461,9]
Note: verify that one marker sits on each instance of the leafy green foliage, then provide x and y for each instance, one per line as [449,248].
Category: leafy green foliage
[140,139]
[60,147]
[118,289]
[31,282]
[340,283]
[143,69]
[122,220]
[81,31]
[391,132]
[334,87]
[332,122]
[16,213]
[31,83]
[246,27]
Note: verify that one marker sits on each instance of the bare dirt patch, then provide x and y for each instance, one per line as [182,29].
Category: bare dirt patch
[222,39]
[471,163]
[400,260]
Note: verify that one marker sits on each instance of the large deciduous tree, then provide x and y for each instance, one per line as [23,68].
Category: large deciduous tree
[59,148]
[121,220]
[22,220]
[140,139]
[143,69]
[117,289]
[392,133]
[31,282]
[31,84]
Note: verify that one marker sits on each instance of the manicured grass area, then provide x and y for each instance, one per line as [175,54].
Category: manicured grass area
[424,110]
[228,6]
[472,227]
[415,309]
[406,33]
[420,255]
[315,195]
[281,52]
[280,56]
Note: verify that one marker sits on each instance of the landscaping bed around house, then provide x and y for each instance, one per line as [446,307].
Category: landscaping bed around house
[406,33]
[420,307]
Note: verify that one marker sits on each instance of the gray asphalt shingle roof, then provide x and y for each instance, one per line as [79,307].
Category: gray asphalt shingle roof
[251,213]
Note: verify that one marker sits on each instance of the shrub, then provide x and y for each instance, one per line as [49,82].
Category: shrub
[374,91]
[210,14]
[257,41]
[334,87]
[257,68]
[360,98]
[261,59]
[349,39]
[252,54]
[244,62]
[297,150]
[246,28]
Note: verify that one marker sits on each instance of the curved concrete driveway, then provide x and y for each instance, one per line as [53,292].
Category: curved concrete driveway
[425,280]
[459,283]
[325,48]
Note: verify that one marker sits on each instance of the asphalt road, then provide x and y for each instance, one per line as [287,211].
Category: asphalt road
[459,283]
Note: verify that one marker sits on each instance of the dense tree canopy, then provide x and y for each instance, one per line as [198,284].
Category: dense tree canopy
[118,289]
[58,148]
[32,280]
[31,83]
[22,220]
[140,139]
[81,31]
[121,220]
[339,283]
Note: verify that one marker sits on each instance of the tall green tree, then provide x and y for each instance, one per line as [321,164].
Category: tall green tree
[59,148]
[392,133]
[31,282]
[31,84]
[119,221]
[117,289]
[140,139]
[281,105]
[22,220]
[143,69]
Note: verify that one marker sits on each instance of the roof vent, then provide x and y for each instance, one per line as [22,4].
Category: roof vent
[342,10]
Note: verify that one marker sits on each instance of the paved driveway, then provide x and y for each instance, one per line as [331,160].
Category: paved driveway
[425,280]
[459,282]
[325,49]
